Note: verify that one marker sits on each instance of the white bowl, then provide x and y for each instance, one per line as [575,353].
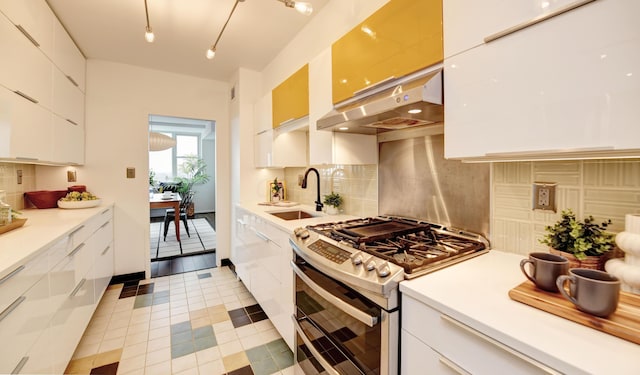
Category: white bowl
[79,204]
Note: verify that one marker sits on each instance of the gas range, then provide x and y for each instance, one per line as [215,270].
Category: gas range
[378,248]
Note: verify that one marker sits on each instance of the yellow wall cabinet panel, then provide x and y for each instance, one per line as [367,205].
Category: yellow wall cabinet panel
[401,37]
[291,97]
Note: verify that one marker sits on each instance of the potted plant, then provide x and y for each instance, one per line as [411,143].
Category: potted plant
[277,194]
[334,202]
[194,173]
[585,243]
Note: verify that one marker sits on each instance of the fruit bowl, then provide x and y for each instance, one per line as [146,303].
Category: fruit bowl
[79,204]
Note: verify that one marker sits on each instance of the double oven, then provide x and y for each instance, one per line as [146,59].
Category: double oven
[347,308]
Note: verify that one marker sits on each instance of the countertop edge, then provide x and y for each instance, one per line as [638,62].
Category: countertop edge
[38,233]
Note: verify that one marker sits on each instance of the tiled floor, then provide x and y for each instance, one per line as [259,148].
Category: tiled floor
[202,322]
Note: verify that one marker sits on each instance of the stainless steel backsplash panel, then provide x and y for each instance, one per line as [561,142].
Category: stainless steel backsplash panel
[414,180]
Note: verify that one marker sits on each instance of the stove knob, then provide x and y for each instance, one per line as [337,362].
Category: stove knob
[356,258]
[297,231]
[304,234]
[370,264]
[383,270]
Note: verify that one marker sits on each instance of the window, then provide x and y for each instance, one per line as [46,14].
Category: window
[166,164]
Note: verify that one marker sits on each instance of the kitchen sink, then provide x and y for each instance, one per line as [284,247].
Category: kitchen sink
[292,215]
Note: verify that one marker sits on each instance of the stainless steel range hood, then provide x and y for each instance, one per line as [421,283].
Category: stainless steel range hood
[409,102]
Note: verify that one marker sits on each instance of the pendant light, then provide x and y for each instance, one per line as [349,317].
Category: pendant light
[148,35]
[211,52]
[160,142]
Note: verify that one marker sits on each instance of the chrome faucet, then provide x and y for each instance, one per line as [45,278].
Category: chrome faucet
[304,186]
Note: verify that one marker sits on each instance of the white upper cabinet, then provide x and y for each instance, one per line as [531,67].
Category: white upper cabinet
[566,87]
[34,18]
[68,141]
[466,23]
[274,148]
[68,58]
[68,100]
[26,129]
[24,68]
[326,147]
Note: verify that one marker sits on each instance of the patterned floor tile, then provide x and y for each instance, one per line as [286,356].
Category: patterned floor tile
[181,324]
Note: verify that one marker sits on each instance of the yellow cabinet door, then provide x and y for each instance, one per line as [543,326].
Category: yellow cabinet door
[290,99]
[401,37]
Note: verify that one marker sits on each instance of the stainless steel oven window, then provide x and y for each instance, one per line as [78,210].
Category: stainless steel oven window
[338,330]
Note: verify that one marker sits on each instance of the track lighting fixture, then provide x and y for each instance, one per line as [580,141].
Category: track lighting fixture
[211,52]
[148,35]
[301,6]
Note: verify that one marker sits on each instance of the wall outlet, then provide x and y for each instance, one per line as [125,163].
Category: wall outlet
[300,178]
[131,172]
[19,176]
[544,196]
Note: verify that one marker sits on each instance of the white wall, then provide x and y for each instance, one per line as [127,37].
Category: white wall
[118,100]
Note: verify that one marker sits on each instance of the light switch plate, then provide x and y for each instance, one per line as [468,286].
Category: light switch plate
[544,196]
[131,172]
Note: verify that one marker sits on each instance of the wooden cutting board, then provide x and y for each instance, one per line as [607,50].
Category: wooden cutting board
[623,323]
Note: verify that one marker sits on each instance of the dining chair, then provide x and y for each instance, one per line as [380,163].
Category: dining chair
[169,214]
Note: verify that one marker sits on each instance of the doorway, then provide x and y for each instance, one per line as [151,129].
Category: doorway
[182,162]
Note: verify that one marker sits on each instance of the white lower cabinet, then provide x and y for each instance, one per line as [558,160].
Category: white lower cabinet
[262,255]
[52,298]
[450,346]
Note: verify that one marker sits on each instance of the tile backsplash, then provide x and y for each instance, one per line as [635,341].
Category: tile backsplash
[358,184]
[9,182]
[606,189]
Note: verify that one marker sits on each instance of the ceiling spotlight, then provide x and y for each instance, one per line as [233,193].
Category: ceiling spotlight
[148,34]
[301,6]
[211,52]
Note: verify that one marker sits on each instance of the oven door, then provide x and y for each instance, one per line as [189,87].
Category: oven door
[339,331]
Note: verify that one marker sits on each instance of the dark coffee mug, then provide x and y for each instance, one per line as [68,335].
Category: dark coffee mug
[545,269]
[592,291]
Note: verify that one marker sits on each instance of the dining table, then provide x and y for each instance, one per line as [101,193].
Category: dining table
[159,200]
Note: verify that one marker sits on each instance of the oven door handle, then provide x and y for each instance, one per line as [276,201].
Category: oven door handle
[323,362]
[342,305]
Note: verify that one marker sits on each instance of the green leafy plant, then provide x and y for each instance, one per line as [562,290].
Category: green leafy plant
[580,238]
[275,187]
[333,199]
[195,173]
[152,177]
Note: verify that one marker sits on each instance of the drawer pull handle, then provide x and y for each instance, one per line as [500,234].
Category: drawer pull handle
[75,251]
[536,20]
[287,121]
[20,365]
[26,158]
[104,225]
[450,364]
[498,344]
[104,212]
[26,34]
[323,362]
[76,230]
[105,250]
[77,288]
[29,98]
[72,122]
[262,236]
[14,305]
[374,86]
[73,81]
[12,274]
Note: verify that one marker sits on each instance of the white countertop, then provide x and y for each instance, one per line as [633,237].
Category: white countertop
[42,228]
[289,225]
[475,293]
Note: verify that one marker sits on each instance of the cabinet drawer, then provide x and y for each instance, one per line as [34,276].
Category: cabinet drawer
[470,350]
[17,280]
[22,323]
[80,234]
[419,358]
